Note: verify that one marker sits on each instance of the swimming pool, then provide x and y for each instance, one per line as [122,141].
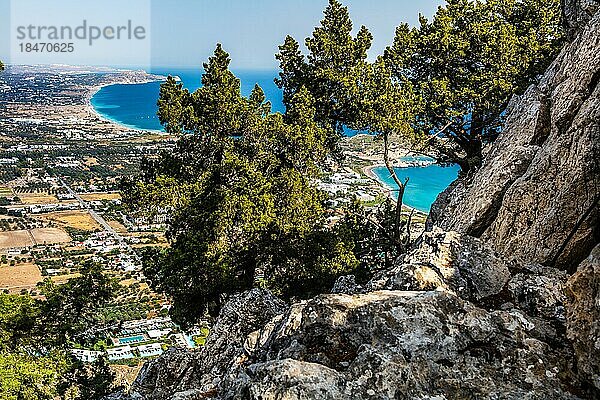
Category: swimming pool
[190,341]
[131,339]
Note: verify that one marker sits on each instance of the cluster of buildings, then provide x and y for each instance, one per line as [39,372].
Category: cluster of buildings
[43,208]
[102,243]
[9,161]
[141,339]
[120,353]
[27,148]
[342,185]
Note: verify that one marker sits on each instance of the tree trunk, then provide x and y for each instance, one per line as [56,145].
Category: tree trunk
[474,144]
[473,157]
[470,141]
[398,219]
[401,188]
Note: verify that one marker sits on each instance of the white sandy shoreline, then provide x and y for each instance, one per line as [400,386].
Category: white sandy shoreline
[95,89]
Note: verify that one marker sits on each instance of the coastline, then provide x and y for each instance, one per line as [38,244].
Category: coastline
[368,171]
[89,107]
[389,190]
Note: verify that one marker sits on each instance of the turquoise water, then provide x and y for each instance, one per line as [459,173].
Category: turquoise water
[190,341]
[424,185]
[134,106]
[131,339]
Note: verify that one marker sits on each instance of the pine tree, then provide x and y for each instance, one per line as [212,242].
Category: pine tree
[239,191]
[467,63]
[330,71]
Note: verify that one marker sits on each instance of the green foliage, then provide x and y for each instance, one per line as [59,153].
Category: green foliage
[330,72]
[371,234]
[88,381]
[35,335]
[200,340]
[452,76]
[70,309]
[304,264]
[28,377]
[387,106]
[18,318]
[466,64]
[239,192]
[349,91]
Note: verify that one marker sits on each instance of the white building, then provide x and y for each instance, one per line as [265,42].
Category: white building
[180,340]
[53,271]
[13,252]
[150,350]
[158,333]
[120,353]
[86,355]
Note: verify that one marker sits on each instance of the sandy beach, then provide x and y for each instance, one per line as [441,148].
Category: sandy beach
[368,171]
[89,108]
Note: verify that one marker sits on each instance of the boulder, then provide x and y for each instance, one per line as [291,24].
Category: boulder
[583,316]
[409,345]
[449,261]
[159,378]
[378,345]
[346,285]
[540,292]
[576,13]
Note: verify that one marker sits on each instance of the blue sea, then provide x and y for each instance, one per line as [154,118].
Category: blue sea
[424,185]
[134,106]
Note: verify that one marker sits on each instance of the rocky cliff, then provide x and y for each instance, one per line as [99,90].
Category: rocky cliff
[536,196]
[500,299]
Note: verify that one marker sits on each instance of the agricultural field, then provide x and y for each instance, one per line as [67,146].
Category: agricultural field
[37,198]
[6,191]
[64,278]
[154,239]
[100,196]
[12,239]
[130,282]
[118,227]
[50,236]
[74,219]
[21,276]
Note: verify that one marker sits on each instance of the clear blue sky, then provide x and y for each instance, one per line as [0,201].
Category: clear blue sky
[184,32]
